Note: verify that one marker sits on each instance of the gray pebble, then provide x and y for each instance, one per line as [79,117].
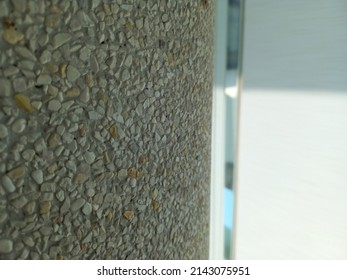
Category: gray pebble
[28,155]
[40,145]
[71,165]
[125,75]
[3,131]
[19,5]
[46,196]
[29,241]
[90,192]
[94,65]
[53,140]
[54,105]
[84,96]
[24,52]
[77,204]
[75,24]
[60,195]
[43,79]
[87,209]
[10,71]
[3,9]
[133,183]
[123,173]
[61,130]
[89,157]
[165,18]
[98,165]
[66,206]
[139,109]
[19,84]
[47,187]
[6,246]
[37,175]
[30,207]
[25,254]
[19,125]
[60,39]
[98,199]
[88,238]
[3,147]
[85,53]
[45,57]
[67,137]
[139,23]
[72,73]
[93,115]
[8,184]
[19,202]
[5,87]
[3,216]
[128,61]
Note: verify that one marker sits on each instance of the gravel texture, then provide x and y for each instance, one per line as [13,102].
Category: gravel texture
[105,126]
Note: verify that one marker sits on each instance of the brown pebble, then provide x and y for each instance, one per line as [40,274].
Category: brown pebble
[12,36]
[113,131]
[52,68]
[73,92]
[17,172]
[53,140]
[63,70]
[23,102]
[80,178]
[45,207]
[109,216]
[155,205]
[128,215]
[142,159]
[133,173]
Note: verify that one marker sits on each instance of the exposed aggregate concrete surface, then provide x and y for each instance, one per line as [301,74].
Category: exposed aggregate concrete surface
[105,127]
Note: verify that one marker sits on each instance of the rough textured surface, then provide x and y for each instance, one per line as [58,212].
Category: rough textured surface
[105,129]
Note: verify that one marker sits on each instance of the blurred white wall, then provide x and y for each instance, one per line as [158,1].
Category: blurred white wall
[292,165]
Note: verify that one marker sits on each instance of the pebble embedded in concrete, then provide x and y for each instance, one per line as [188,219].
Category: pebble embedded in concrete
[77,204]
[54,105]
[6,246]
[5,87]
[37,175]
[12,36]
[125,75]
[61,39]
[72,73]
[25,53]
[45,57]
[8,184]
[44,79]
[87,209]
[18,126]
[3,131]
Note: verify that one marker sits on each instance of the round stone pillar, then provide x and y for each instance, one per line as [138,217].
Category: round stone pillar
[105,128]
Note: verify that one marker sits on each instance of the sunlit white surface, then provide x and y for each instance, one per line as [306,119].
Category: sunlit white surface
[291,192]
[292,176]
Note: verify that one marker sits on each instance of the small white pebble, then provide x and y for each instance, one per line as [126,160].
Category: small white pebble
[54,105]
[37,175]
[19,125]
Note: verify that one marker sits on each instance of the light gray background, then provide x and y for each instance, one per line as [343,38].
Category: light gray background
[291,191]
